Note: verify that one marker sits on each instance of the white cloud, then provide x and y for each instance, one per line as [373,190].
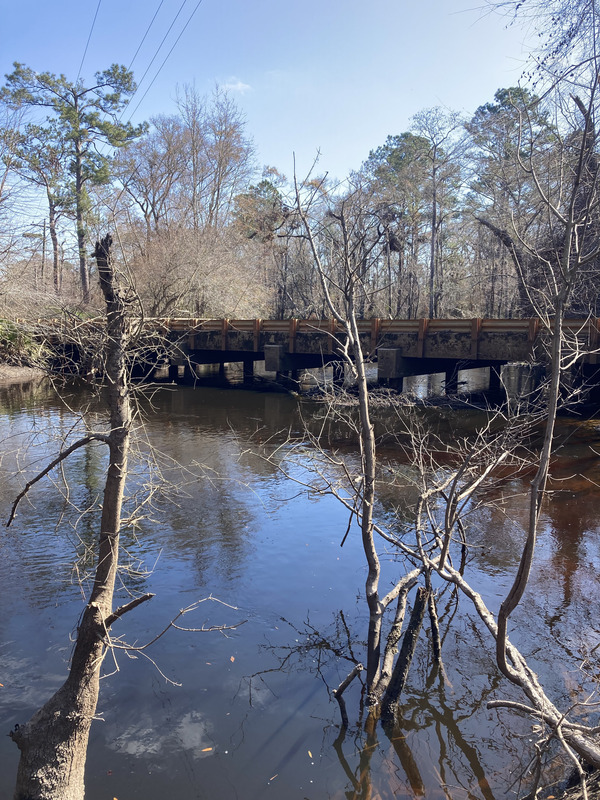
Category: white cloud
[143,738]
[234,84]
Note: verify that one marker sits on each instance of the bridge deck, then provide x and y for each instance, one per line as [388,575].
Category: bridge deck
[400,347]
[485,340]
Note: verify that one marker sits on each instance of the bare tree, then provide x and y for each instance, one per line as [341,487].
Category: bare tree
[534,214]
[568,30]
[53,743]
[177,212]
[150,170]
[219,156]
[437,539]
[348,227]
[443,155]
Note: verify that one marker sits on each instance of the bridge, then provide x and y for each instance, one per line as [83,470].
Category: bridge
[399,347]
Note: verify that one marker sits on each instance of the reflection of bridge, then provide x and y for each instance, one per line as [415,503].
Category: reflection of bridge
[400,347]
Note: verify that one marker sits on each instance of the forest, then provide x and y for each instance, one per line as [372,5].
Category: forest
[456,208]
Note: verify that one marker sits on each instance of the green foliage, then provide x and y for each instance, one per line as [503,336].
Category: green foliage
[80,118]
[516,116]
[17,346]
[401,158]
[260,211]
[41,157]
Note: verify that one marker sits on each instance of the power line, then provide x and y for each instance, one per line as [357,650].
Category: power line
[146,34]
[198,4]
[156,52]
[158,49]
[88,40]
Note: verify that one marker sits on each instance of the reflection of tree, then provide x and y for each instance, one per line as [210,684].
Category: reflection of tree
[452,769]
[458,760]
[316,650]
[567,530]
[572,513]
[15,397]
[210,466]
[366,756]
[361,783]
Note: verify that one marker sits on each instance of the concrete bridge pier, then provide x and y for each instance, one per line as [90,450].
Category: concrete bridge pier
[189,374]
[279,362]
[521,383]
[495,382]
[581,385]
[391,368]
[591,381]
[275,358]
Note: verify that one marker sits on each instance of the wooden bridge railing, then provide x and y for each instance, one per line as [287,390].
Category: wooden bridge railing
[472,339]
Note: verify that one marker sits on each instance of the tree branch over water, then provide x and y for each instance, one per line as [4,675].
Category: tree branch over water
[93,437]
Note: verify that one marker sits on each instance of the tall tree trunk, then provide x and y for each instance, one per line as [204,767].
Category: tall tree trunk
[432,310]
[79,198]
[53,743]
[55,249]
[368,456]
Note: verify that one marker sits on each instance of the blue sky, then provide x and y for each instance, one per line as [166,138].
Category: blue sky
[313,75]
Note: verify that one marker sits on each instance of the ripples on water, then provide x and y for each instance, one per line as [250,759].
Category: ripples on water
[252,717]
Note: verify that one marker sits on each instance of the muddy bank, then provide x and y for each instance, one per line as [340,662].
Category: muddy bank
[12,374]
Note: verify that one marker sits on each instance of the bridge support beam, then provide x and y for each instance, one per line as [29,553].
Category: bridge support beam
[274,358]
[451,381]
[495,384]
[391,368]
[279,362]
[339,373]
[521,382]
[285,365]
[189,374]
[248,371]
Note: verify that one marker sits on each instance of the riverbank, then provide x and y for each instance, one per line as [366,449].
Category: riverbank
[13,374]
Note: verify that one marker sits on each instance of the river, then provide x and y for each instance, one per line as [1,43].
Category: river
[246,713]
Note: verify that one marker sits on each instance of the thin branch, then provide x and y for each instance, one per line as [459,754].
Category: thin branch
[172,624]
[94,437]
[337,693]
[122,610]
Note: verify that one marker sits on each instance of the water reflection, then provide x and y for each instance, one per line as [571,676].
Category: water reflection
[233,526]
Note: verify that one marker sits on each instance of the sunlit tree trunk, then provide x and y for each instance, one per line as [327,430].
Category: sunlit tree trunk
[55,248]
[53,743]
[79,203]
[432,303]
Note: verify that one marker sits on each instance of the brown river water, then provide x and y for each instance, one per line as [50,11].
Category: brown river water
[247,713]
